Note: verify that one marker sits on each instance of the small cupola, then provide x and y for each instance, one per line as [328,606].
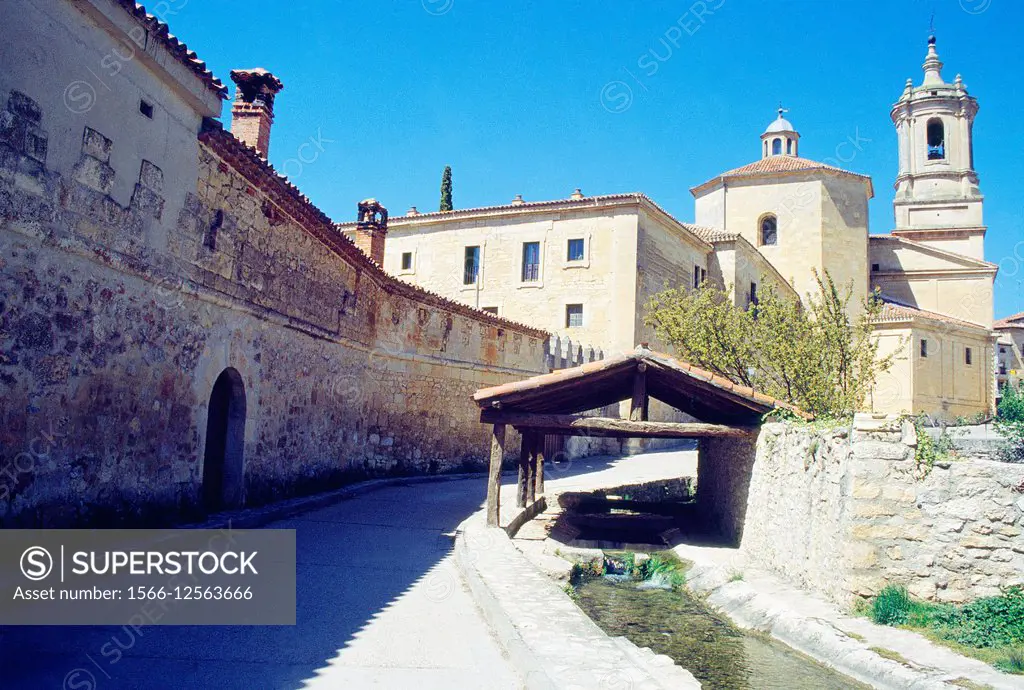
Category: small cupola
[780,139]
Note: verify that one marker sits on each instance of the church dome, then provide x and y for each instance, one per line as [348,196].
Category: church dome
[780,138]
[779,125]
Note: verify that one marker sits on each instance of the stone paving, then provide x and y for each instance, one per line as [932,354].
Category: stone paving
[380,605]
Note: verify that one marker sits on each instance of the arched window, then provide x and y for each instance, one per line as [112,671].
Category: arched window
[766,147]
[776,146]
[789,146]
[769,230]
[936,140]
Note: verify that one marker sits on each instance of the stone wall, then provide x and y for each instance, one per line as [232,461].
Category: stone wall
[116,319]
[724,467]
[844,512]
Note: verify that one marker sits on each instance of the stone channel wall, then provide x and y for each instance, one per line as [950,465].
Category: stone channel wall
[844,512]
[122,304]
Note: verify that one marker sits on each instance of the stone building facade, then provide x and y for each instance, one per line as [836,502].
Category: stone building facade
[777,220]
[180,329]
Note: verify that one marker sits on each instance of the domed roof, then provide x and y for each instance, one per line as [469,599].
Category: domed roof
[780,124]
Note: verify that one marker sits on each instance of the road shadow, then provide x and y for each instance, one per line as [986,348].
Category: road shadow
[354,560]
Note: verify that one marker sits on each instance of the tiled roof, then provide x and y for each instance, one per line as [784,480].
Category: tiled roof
[177,48]
[893,311]
[723,387]
[251,165]
[712,234]
[778,165]
[1015,321]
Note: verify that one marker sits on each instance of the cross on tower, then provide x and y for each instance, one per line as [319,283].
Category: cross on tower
[782,110]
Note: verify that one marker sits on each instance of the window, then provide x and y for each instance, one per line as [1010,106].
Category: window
[472,272]
[936,140]
[752,297]
[924,347]
[406,261]
[789,146]
[699,276]
[491,310]
[531,261]
[776,147]
[574,316]
[875,268]
[146,109]
[967,356]
[769,230]
[575,250]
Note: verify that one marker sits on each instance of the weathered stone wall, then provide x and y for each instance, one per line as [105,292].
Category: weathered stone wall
[117,318]
[844,512]
[953,535]
[724,467]
[798,504]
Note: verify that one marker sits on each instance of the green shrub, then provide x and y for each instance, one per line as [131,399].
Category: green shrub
[988,622]
[891,606]
[1010,423]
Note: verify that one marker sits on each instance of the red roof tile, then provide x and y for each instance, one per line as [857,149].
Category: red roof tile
[1015,321]
[893,311]
[778,165]
[177,48]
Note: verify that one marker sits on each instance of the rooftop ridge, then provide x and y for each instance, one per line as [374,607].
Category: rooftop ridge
[247,161]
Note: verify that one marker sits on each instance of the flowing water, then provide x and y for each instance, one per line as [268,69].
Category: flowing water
[704,643]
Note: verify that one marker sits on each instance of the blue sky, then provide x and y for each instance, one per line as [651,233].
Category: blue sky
[540,97]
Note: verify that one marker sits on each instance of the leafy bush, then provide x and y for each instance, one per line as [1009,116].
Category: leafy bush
[1010,423]
[988,622]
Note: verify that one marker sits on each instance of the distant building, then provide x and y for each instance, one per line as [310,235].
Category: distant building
[584,267]
[1010,355]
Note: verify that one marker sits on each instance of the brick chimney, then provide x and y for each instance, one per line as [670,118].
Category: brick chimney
[252,113]
[372,229]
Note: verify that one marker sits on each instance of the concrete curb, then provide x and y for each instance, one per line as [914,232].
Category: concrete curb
[251,518]
[548,639]
[816,638]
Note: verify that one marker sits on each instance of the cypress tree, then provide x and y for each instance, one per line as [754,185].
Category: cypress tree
[446,189]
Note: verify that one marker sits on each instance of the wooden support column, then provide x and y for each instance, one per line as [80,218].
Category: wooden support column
[638,406]
[538,482]
[524,468]
[494,476]
[531,468]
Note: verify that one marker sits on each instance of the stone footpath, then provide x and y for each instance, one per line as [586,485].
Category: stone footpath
[549,640]
[760,601]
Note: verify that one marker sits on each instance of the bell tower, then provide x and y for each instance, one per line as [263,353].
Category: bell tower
[938,201]
[780,139]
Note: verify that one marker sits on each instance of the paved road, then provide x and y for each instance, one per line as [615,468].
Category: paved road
[380,605]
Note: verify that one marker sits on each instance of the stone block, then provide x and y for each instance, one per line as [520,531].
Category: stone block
[922,589]
[23,106]
[95,145]
[94,174]
[151,177]
[147,201]
[877,450]
[871,532]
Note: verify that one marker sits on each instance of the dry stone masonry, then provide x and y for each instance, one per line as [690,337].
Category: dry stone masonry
[845,511]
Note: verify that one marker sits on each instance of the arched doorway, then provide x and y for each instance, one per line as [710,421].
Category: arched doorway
[223,463]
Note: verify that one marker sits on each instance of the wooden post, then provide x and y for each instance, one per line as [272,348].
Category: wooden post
[524,468]
[541,439]
[638,406]
[494,476]
[531,469]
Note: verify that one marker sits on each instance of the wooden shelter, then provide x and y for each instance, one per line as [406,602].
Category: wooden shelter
[552,403]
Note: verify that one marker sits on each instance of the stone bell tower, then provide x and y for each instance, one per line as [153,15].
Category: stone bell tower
[937,197]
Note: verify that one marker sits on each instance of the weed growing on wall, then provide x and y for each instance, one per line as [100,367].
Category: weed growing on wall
[931,450]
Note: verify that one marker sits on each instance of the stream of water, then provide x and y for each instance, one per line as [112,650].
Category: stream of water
[704,643]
